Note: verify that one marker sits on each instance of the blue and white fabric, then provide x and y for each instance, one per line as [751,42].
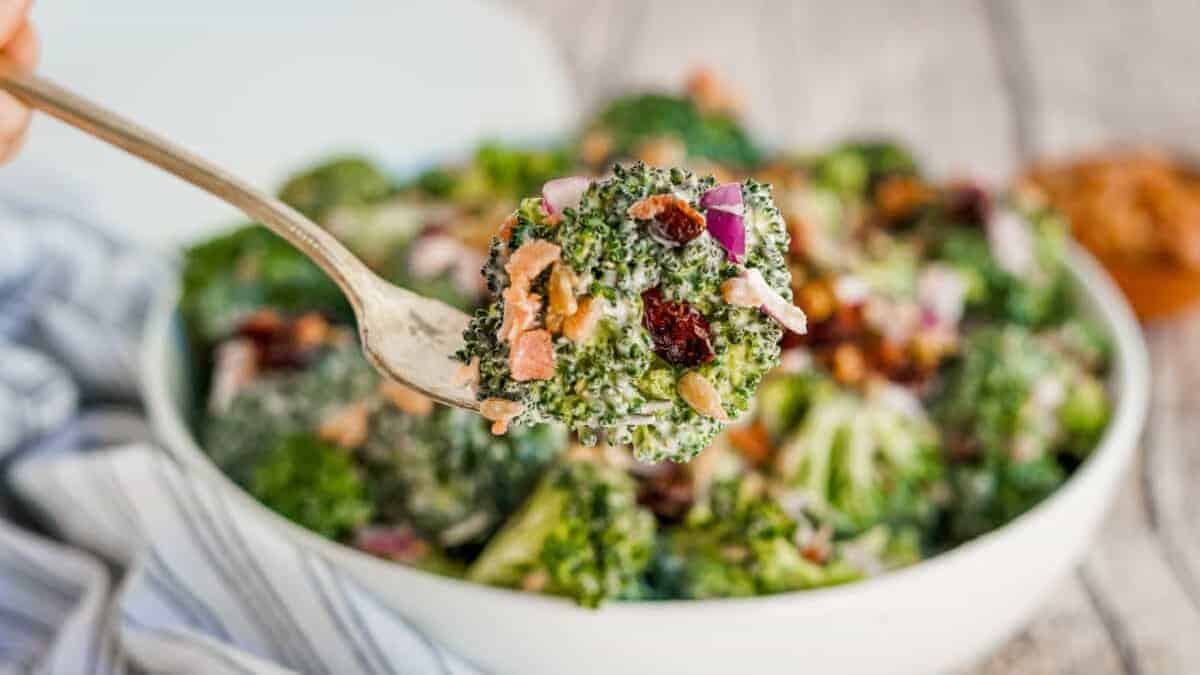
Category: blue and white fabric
[113,559]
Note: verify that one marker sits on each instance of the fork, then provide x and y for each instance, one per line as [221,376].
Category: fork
[407,337]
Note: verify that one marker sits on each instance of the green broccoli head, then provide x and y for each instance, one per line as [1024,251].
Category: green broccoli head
[854,168]
[661,315]
[228,277]
[284,403]
[581,534]
[632,121]
[854,459]
[497,173]
[449,476]
[313,484]
[1017,410]
[1017,395]
[1034,296]
[738,542]
[343,181]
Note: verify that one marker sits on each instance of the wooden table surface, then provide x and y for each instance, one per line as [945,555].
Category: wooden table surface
[977,88]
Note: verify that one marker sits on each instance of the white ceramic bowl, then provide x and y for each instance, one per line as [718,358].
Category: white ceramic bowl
[933,617]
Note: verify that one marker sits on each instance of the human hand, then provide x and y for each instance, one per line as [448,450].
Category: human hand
[18,43]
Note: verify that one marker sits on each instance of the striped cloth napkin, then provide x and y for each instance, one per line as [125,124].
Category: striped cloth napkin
[114,559]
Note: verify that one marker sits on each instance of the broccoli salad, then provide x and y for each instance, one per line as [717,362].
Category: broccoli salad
[946,382]
[650,333]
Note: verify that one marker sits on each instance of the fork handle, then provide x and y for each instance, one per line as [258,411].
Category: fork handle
[93,119]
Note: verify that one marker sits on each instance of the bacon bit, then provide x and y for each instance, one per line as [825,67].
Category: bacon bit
[849,364]
[751,442]
[535,581]
[580,326]
[662,151]
[500,411]
[261,325]
[704,398]
[520,312]
[520,306]
[506,227]
[710,94]
[800,240]
[406,398]
[562,296]
[892,358]
[310,331]
[467,373]
[530,260]
[532,356]
[399,544]
[929,347]
[553,219]
[817,300]
[900,198]
[819,546]
[236,366]
[346,427]
[739,293]
[679,222]
[595,147]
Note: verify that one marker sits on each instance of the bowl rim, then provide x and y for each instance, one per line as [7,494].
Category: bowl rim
[1131,374]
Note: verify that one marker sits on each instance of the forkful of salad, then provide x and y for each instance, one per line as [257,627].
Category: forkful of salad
[641,308]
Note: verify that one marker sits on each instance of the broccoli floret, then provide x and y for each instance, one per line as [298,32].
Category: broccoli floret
[313,484]
[449,476]
[853,169]
[228,277]
[285,403]
[783,399]
[633,120]
[497,173]
[580,534]
[737,543]
[610,380]
[344,181]
[1018,412]
[857,460]
[1033,298]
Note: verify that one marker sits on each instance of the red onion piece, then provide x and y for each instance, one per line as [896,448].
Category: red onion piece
[730,230]
[788,315]
[563,193]
[942,293]
[850,289]
[722,196]
[1011,242]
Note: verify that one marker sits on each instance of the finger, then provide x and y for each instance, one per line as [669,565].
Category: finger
[7,150]
[14,118]
[23,48]
[12,17]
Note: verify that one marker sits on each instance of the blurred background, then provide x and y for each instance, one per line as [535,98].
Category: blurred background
[1095,102]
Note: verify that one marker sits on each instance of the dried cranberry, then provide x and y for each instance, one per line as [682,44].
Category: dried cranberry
[680,333]
[671,218]
[281,344]
[966,203]
[667,492]
[846,323]
[677,225]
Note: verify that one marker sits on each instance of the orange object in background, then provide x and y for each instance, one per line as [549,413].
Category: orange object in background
[1138,212]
